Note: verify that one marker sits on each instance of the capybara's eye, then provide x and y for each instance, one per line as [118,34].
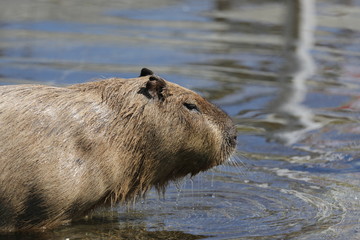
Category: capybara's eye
[191,107]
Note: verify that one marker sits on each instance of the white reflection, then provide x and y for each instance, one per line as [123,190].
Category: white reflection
[288,109]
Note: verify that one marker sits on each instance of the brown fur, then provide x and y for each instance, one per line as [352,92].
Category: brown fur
[64,151]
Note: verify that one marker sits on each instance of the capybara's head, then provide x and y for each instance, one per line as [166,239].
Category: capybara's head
[171,131]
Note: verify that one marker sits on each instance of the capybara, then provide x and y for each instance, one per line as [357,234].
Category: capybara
[66,150]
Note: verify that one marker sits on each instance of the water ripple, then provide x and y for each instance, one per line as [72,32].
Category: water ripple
[243,208]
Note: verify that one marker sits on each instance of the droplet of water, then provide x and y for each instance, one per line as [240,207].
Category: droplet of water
[212,179]
[179,185]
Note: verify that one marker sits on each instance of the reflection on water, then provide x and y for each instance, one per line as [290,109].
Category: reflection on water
[299,66]
[286,71]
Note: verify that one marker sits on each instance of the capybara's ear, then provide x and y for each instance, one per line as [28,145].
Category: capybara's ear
[156,87]
[146,72]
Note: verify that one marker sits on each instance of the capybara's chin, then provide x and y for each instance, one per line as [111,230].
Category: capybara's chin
[67,150]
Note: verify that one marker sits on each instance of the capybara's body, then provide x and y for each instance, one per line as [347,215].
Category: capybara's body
[64,151]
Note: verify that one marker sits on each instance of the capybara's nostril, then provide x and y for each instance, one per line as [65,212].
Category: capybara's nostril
[233,140]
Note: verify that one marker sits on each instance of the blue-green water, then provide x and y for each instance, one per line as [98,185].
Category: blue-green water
[286,71]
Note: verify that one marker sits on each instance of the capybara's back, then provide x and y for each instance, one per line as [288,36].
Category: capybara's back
[65,151]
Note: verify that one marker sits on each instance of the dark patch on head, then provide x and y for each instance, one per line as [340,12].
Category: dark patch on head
[35,211]
[145,92]
[154,88]
[146,72]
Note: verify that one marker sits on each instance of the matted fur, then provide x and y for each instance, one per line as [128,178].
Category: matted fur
[66,150]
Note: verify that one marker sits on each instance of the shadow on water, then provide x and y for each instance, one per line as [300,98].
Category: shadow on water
[113,233]
[107,227]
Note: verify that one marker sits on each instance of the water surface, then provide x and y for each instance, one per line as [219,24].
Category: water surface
[286,71]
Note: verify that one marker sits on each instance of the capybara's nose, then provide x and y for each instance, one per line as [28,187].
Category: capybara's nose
[232,136]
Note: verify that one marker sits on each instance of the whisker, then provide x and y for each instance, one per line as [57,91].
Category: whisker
[236,162]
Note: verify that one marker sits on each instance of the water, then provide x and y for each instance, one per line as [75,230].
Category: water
[296,172]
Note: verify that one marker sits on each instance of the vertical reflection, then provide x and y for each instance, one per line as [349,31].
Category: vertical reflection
[288,109]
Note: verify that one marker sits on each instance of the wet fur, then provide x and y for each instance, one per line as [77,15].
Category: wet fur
[64,151]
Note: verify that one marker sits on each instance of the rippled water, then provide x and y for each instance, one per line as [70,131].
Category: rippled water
[286,71]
